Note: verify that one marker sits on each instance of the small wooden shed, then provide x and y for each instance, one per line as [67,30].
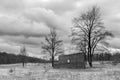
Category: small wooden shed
[75,60]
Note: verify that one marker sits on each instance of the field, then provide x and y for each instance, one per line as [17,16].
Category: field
[36,71]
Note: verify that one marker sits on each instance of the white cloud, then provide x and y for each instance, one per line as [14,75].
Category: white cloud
[21,40]
[26,21]
[11,6]
[44,15]
[15,27]
[8,47]
[59,6]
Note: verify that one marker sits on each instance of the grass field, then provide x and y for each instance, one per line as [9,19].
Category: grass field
[46,72]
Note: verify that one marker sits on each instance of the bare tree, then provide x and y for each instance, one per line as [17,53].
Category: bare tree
[23,53]
[52,45]
[89,27]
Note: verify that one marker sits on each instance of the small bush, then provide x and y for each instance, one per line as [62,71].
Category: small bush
[115,63]
[11,70]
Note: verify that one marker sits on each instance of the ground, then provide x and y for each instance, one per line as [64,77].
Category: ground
[43,71]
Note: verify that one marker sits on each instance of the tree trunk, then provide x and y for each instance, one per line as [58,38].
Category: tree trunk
[90,64]
[23,64]
[89,49]
[90,60]
[85,60]
[23,61]
[90,57]
[53,61]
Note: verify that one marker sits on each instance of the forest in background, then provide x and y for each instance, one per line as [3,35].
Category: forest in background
[9,58]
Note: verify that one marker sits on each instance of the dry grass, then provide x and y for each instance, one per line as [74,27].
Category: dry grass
[45,72]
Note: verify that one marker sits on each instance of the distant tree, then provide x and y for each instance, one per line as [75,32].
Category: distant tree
[52,44]
[115,58]
[89,27]
[24,54]
[108,56]
[103,51]
[11,58]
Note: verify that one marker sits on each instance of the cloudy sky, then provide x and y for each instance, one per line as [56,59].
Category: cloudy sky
[27,21]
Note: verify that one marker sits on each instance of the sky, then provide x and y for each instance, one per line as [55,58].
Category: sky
[26,22]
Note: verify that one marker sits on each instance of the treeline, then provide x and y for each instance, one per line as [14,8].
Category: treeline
[6,58]
[106,57]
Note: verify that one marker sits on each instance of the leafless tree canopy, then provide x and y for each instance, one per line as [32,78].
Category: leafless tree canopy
[52,44]
[88,31]
[23,53]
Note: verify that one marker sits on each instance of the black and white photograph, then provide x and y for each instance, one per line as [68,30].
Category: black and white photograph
[59,39]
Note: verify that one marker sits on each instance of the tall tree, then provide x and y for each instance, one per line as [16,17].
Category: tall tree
[89,27]
[52,45]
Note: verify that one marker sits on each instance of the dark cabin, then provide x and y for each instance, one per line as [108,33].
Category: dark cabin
[71,61]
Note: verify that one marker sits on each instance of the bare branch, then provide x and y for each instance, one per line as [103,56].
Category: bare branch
[91,31]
